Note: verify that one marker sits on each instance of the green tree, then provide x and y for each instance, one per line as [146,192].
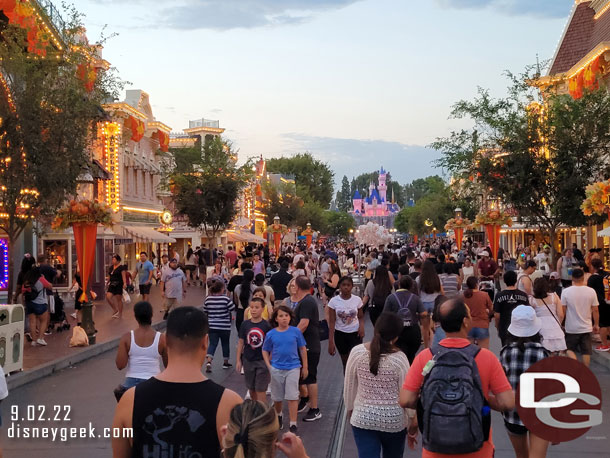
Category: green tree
[344,196]
[423,186]
[207,193]
[281,200]
[339,223]
[314,178]
[48,122]
[535,151]
[401,221]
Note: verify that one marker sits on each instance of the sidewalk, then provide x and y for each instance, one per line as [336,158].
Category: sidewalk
[39,361]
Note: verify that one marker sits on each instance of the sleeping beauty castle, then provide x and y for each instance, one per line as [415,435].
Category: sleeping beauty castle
[375,207]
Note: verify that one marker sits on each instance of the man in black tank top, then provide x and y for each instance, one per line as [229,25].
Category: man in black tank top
[178,413]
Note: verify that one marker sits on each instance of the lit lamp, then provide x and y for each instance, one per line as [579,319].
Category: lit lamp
[434,232]
[458,213]
[84,185]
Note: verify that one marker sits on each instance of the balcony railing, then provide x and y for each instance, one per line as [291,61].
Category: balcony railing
[204,123]
[53,14]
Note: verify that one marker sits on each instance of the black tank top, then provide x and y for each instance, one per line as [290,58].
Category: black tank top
[175,420]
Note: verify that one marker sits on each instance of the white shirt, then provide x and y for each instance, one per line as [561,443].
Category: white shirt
[347,313]
[297,258]
[579,300]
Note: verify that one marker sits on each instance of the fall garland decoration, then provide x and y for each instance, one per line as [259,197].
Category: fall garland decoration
[597,200]
[494,217]
[458,223]
[82,211]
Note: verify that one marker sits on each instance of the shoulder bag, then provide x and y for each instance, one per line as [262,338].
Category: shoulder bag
[547,307]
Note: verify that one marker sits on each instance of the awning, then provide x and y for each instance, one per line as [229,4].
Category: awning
[604,233]
[245,237]
[144,234]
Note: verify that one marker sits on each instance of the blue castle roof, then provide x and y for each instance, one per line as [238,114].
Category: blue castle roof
[374,195]
[357,195]
[382,172]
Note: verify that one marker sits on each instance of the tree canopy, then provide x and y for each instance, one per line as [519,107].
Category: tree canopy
[313,178]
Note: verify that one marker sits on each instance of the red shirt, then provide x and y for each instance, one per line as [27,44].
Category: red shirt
[493,379]
[488,268]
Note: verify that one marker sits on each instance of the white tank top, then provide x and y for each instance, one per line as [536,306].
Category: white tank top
[144,362]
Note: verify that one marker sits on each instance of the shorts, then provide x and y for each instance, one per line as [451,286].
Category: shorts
[35,308]
[257,375]
[145,289]
[130,382]
[479,333]
[515,430]
[579,343]
[170,302]
[345,341]
[604,316]
[116,290]
[312,369]
[284,384]
[190,267]
[429,306]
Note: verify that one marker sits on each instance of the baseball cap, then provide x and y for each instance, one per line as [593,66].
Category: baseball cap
[484,253]
[554,276]
[173,260]
[524,322]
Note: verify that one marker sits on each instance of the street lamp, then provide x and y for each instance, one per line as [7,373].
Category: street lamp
[458,213]
[84,185]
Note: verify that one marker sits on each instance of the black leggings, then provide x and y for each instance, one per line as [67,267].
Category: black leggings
[409,341]
[375,312]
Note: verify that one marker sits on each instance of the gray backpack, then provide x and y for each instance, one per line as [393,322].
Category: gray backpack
[452,402]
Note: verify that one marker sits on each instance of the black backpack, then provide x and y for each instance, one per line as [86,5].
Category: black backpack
[404,312]
[452,402]
[30,292]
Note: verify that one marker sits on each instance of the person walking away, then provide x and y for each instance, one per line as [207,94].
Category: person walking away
[524,280]
[505,302]
[250,351]
[548,308]
[252,432]
[190,265]
[34,291]
[279,282]
[144,273]
[371,389]
[346,321]
[307,319]
[523,350]
[218,308]
[565,267]
[173,287]
[411,311]
[191,408]
[376,292]
[231,256]
[429,285]
[453,359]
[600,282]
[582,316]
[242,296]
[142,350]
[481,310]
[281,350]
[116,282]
[450,280]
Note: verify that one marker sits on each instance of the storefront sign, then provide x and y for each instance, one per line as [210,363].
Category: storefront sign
[112,140]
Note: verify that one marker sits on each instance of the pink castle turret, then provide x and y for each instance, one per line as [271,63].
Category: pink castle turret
[357,201]
[383,189]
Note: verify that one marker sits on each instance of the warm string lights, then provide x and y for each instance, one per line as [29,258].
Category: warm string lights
[111,134]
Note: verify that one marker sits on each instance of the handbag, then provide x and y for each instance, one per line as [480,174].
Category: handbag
[79,337]
[324,330]
[560,326]
[126,297]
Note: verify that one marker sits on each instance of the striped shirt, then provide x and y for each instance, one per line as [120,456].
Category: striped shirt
[218,309]
[450,284]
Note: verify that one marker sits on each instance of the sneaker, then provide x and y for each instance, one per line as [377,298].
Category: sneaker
[34,344]
[73,315]
[279,419]
[602,348]
[312,415]
[208,367]
[294,430]
[41,342]
[302,405]
[48,332]
[29,337]
[242,371]
[227,365]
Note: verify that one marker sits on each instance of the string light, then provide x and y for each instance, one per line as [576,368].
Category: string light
[111,133]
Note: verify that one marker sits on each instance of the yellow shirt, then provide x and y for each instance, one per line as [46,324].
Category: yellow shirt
[265,315]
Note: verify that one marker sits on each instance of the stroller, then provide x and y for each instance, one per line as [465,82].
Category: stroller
[58,320]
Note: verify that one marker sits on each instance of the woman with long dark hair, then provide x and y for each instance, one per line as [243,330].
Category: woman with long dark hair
[373,377]
[377,291]
[430,288]
[242,295]
[332,283]
[548,308]
[523,350]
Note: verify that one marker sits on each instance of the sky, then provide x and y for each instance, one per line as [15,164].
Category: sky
[358,83]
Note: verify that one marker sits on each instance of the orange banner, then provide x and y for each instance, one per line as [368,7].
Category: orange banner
[309,238]
[277,239]
[85,240]
[493,236]
[137,129]
[163,141]
[459,235]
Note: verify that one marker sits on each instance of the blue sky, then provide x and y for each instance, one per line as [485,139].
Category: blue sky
[358,83]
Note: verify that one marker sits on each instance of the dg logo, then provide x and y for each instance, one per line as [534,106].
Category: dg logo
[559,399]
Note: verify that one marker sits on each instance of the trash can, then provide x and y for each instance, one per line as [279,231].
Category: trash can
[12,321]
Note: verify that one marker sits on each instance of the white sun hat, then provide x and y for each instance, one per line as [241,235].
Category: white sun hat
[524,322]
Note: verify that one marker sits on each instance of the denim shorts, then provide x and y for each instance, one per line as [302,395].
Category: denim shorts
[479,333]
[429,306]
[35,308]
[130,382]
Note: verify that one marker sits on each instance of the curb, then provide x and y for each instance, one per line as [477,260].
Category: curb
[601,358]
[23,378]
[335,448]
